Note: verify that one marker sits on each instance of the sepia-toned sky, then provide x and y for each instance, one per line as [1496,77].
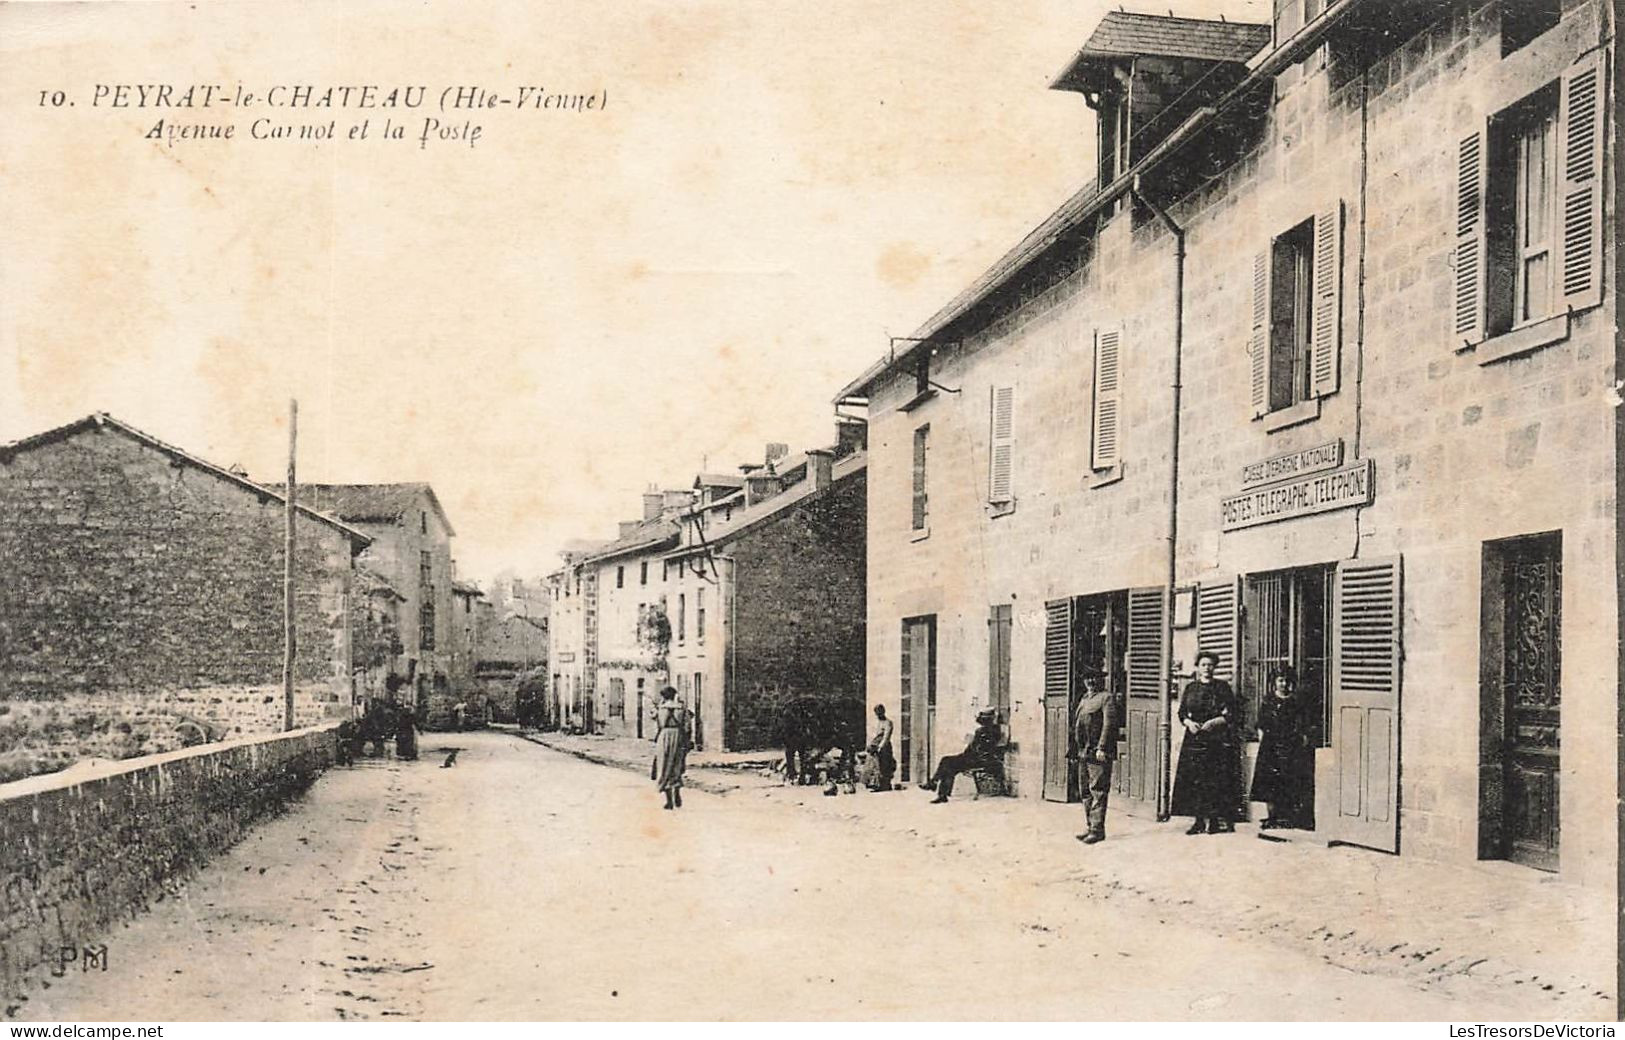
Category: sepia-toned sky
[542,324]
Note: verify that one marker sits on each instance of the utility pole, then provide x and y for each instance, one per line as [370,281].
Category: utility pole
[290,637]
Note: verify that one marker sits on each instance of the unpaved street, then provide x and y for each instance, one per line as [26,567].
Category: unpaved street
[525,884]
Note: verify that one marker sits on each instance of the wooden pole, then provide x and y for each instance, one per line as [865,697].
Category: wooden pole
[290,637]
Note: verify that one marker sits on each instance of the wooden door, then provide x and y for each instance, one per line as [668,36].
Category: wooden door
[699,715]
[1059,767]
[917,701]
[1532,700]
[998,669]
[1146,653]
[1357,799]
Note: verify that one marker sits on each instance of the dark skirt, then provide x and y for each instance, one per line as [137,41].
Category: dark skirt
[1208,781]
[1284,776]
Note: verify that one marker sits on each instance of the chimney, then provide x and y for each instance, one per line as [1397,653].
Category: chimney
[653,501]
[760,486]
[748,468]
[851,436]
[821,467]
[627,527]
[673,502]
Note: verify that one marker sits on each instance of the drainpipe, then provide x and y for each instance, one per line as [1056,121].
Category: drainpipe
[1165,727]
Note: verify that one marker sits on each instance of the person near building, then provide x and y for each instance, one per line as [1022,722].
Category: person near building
[406,734]
[1284,775]
[671,747]
[1207,786]
[1094,730]
[985,751]
[880,749]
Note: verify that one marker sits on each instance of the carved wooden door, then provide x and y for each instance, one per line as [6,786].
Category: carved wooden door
[1531,686]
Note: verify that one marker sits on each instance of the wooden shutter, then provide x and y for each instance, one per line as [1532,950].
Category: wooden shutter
[1258,341]
[1218,624]
[1142,708]
[1326,323]
[1104,448]
[1361,804]
[1470,249]
[921,435]
[998,661]
[1058,648]
[1580,196]
[1058,768]
[1001,455]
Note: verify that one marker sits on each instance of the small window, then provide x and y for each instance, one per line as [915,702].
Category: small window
[620,577]
[425,568]
[1297,318]
[426,620]
[922,371]
[423,522]
[921,514]
[1522,21]
[643,573]
[1521,210]
[699,615]
[1001,445]
[682,617]
[1105,426]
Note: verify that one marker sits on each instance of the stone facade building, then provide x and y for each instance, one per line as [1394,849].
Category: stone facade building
[768,587]
[1319,372]
[411,550]
[510,668]
[143,603]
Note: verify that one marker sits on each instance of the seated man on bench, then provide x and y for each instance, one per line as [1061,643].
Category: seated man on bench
[985,753]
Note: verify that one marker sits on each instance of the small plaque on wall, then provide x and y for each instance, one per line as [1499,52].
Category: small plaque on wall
[1185,607]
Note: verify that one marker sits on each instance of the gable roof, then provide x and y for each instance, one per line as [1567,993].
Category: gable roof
[1124,34]
[103,421]
[749,517]
[372,503]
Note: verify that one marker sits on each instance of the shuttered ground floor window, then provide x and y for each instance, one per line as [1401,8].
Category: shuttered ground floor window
[1287,623]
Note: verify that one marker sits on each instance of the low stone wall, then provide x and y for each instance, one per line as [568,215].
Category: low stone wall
[85,848]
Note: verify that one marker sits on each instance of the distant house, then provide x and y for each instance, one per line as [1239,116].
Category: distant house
[510,668]
[411,549]
[143,603]
[375,627]
[768,585]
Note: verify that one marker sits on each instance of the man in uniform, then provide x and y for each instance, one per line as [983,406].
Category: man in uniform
[1094,731]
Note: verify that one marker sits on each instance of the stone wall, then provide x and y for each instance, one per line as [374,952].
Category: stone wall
[84,850]
[142,592]
[799,616]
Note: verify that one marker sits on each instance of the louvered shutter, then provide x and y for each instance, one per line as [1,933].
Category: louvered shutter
[1218,624]
[1258,341]
[1326,326]
[1580,199]
[1361,805]
[1104,449]
[1059,767]
[1058,648]
[921,435]
[1145,655]
[1470,259]
[1001,455]
[1145,645]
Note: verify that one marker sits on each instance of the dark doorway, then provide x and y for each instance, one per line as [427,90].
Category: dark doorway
[1521,700]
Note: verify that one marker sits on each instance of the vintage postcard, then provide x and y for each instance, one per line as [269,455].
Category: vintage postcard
[725,510]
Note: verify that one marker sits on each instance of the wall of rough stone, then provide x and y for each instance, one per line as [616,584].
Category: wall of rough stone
[84,850]
[139,588]
[798,622]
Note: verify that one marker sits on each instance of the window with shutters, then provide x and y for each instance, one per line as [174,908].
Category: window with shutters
[1001,448]
[1529,218]
[921,515]
[1106,431]
[1297,320]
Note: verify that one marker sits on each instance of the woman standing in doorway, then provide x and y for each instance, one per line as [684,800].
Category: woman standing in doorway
[1208,784]
[1285,774]
[671,747]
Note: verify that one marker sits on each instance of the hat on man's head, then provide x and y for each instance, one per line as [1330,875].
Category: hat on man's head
[986,715]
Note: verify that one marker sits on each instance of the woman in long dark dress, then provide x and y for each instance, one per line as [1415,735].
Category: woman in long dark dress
[671,747]
[1208,783]
[1285,773]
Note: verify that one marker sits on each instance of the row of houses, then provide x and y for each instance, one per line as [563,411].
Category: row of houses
[143,607]
[744,592]
[1321,369]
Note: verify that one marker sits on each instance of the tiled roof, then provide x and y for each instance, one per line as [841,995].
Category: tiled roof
[371,503]
[730,480]
[466,589]
[1126,33]
[103,421]
[649,534]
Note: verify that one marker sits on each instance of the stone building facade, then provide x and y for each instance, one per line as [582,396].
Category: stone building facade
[411,550]
[768,583]
[1320,372]
[143,606]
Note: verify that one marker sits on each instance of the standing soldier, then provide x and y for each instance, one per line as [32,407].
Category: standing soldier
[1094,729]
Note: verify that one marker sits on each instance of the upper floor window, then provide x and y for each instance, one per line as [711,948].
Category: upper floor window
[425,568]
[426,620]
[1001,445]
[1297,317]
[1106,401]
[620,577]
[699,615]
[1529,212]
[643,573]
[921,514]
[682,617]
[423,523]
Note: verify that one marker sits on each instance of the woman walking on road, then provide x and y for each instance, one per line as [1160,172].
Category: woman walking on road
[671,747]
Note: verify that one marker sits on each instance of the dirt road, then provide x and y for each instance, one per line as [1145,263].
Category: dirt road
[524,884]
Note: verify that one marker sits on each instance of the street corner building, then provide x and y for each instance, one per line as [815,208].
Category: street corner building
[1319,371]
[143,606]
[745,592]
[415,659]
